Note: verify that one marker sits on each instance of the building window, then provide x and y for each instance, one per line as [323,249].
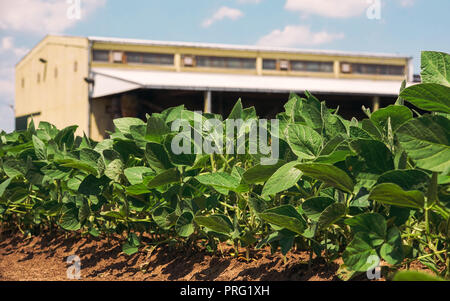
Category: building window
[311,66]
[100,56]
[149,58]
[23,83]
[56,72]
[376,69]
[38,78]
[75,66]
[270,64]
[225,62]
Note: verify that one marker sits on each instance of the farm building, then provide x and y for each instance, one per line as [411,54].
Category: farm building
[90,81]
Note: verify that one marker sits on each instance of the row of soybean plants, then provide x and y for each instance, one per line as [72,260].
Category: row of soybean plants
[341,188]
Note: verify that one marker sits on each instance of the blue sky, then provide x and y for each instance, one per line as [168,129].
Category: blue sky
[395,26]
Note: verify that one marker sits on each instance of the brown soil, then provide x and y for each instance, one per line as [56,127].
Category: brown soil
[44,258]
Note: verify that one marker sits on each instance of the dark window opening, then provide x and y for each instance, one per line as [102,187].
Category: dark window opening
[149,58]
[101,56]
[310,66]
[225,62]
[270,64]
[377,69]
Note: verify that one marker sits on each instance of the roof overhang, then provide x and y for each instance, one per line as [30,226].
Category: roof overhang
[110,81]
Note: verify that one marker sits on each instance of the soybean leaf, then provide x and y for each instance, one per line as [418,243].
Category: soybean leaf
[410,179]
[435,67]
[392,194]
[184,225]
[156,129]
[376,155]
[398,115]
[428,97]
[261,173]
[304,141]
[426,140]
[4,186]
[328,174]
[284,178]
[415,276]
[124,124]
[286,217]
[372,224]
[331,214]
[157,156]
[313,207]
[220,180]
[357,253]
[69,218]
[392,249]
[39,148]
[164,178]
[135,175]
[218,223]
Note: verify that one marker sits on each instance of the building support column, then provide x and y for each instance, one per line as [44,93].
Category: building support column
[207,102]
[375,103]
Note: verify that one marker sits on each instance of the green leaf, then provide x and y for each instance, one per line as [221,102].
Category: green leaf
[184,225]
[134,175]
[375,154]
[426,140]
[92,185]
[156,129]
[398,115]
[286,217]
[39,148]
[261,173]
[219,179]
[331,214]
[283,179]
[218,223]
[410,179]
[304,141]
[129,249]
[357,253]
[392,194]
[428,97]
[157,156]
[435,68]
[392,249]
[69,218]
[328,174]
[114,170]
[237,112]
[314,207]
[124,124]
[415,276]
[180,159]
[167,177]
[372,224]
[4,185]
[137,189]
[14,168]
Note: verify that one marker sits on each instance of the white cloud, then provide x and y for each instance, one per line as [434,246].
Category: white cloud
[42,16]
[249,1]
[6,98]
[406,3]
[9,55]
[7,43]
[329,8]
[222,13]
[292,36]
[7,46]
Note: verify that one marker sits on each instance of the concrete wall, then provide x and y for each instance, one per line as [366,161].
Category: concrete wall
[55,89]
